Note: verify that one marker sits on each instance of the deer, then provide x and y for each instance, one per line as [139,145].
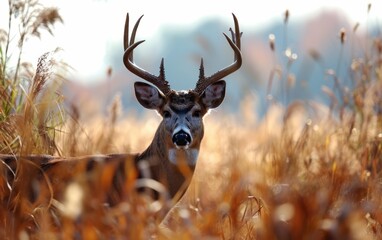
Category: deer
[170,158]
[180,133]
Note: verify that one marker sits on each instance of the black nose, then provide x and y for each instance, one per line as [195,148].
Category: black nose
[181,138]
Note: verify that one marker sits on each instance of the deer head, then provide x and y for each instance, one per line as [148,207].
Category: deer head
[182,111]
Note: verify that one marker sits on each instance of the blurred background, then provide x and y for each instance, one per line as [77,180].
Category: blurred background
[307,55]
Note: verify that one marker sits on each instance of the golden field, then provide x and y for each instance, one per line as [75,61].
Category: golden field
[304,171]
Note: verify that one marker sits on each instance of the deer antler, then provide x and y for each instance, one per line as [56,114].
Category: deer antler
[159,81]
[235,44]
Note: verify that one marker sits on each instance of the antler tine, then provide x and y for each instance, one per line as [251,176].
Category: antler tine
[159,81]
[235,44]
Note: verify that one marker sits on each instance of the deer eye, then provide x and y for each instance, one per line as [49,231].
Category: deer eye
[166,114]
[197,113]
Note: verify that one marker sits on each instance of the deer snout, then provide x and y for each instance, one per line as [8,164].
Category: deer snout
[181,138]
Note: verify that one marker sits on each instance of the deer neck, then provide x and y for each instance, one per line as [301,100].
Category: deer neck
[188,156]
[166,161]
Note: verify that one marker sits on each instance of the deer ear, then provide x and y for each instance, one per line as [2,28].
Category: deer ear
[214,94]
[148,96]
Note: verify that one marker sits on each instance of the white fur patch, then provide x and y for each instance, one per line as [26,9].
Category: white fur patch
[191,155]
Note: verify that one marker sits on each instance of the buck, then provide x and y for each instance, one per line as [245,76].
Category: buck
[176,144]
[179,135]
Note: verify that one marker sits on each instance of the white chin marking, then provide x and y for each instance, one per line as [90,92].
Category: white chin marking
[191,155]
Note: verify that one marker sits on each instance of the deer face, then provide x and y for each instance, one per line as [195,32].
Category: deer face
[181,129]
[182,111]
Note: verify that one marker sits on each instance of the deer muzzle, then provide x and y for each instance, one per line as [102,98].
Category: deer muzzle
[181,138]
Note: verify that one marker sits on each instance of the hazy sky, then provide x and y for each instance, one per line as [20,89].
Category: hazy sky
[91,26]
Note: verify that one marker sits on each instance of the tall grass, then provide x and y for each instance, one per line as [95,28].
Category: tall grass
[29,114]
[303,171]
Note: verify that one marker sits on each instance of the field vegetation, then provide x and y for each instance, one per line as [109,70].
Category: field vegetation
[303,171]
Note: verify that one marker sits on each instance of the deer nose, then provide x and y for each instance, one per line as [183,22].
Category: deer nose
[181,139]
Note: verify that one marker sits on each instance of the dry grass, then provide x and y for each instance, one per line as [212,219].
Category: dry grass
[290,175]
[307,171]
[29,113]
[287,177]
[278,178]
